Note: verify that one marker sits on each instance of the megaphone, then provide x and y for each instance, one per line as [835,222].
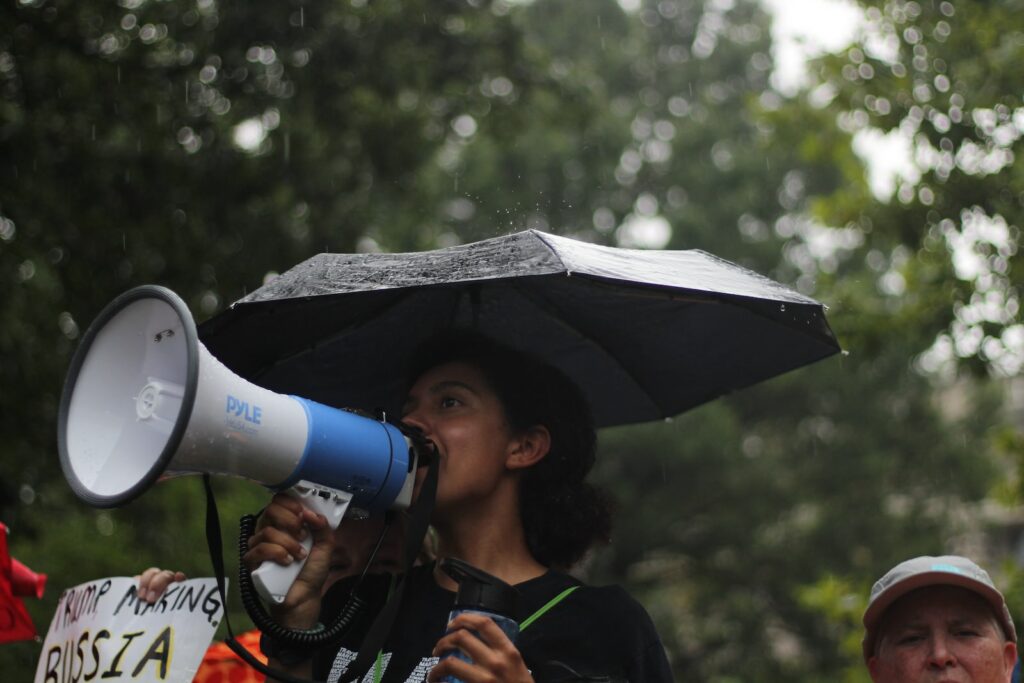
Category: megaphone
[145,400]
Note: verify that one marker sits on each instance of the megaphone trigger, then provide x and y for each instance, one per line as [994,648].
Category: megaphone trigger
[273,580]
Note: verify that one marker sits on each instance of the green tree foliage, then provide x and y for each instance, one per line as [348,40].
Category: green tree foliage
[934,262]
[941,76]
[205,145]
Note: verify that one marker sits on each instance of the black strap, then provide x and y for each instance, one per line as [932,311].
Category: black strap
[419,519]
[216,548]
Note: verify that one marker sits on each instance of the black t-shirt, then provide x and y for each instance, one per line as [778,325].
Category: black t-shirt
[594,634]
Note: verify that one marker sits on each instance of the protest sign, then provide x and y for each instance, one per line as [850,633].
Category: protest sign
[102,631]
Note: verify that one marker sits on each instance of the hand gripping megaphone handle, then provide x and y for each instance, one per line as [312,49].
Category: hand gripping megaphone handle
[272,580]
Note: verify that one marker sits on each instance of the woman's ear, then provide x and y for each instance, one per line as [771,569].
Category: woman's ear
[528,448]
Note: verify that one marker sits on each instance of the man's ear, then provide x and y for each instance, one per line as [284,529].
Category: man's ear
[1010,658]
[528,448]
[873,668]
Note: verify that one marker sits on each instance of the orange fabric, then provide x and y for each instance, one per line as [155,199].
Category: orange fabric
[221,665]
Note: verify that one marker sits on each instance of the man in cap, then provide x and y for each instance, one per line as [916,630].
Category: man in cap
[941,620]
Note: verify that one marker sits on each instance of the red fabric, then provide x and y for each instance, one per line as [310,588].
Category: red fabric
[15,623]
[25,583]
[221,665]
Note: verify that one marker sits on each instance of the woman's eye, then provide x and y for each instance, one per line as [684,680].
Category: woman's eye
[449,402]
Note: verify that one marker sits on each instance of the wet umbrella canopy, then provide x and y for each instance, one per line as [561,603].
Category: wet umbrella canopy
[645,334]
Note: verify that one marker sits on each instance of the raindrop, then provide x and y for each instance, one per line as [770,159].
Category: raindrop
[302,17]
[782,307]
[105,524]
[26,271]
[94,132]
[7,229]
[27,494]
[67,325]
[464,126]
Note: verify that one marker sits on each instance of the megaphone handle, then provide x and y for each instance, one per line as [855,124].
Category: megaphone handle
[272,580]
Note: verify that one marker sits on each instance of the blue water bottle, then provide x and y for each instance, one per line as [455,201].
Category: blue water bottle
[481,593]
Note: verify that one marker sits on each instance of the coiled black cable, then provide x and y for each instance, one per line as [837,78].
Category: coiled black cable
[353,608]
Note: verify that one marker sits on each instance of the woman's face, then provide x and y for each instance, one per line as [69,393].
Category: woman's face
[455,407]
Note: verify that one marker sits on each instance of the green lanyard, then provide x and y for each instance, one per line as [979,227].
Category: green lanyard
[551,603]
[378,665]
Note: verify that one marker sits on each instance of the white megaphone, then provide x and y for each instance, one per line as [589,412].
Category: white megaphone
[145,400]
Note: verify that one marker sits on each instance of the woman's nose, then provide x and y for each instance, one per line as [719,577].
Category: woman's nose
[414,420]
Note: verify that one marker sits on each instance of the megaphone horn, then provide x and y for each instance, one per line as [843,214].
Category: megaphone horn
[144,399]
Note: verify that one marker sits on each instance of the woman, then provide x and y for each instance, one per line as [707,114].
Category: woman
[515,442]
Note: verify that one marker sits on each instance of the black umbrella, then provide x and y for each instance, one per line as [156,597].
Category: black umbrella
[645,334]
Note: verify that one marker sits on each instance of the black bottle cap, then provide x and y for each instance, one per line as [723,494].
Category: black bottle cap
[479,590]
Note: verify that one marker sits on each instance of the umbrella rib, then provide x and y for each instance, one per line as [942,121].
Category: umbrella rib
[748,303]
[557,314]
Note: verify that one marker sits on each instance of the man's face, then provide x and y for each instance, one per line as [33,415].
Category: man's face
[941,634]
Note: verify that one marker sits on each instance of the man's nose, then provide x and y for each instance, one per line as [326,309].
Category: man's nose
[940,654]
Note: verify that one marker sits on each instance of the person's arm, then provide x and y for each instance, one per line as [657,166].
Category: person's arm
[495,657]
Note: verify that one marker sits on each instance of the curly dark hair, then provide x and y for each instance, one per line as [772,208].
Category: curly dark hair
[562,514]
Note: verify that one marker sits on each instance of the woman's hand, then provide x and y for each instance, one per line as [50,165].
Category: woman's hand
[495,657]
[284,524]
[154,581]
